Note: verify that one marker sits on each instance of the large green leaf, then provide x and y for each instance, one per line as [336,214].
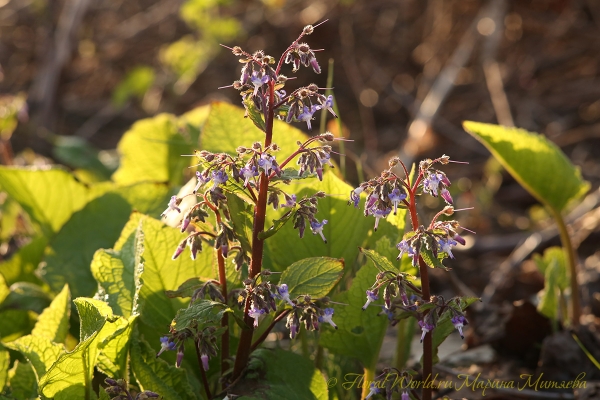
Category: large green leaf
[156,375]
[53,322]
[118,272]
[279,374]
[315,276]
[552,254]
[70,253]
[48,195]
[152,151]
[161,273]
[4,363]
[26,296]
[70,377]
[346,230]
[4,289]
[226,129]
[16,323]
[360,333]
[40,352]
[535,162]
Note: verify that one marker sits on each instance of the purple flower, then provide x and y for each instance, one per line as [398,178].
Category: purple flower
[432,182]
[267,162]
[179,249]
[315,65]
[284,294]
[405,396]
[248,172]
[328,105]
[290,201]
[201,180]
[388,312]
[371,297]
[446,245]
[327,317]
[404,247]
[355,196]
[258,80]
[173,203]
[317,228]
[255,313]
[378,214]
[204,358]
[371,200]
[446,195]
[373,389]
[218,178]
[307,115]
[166,345]
[179,358]
[425,327]
[322,161]
[459,321]
[459,239]
[396,197]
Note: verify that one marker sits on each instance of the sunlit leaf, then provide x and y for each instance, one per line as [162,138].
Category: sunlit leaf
[202,313]
[39,350]
[535,162]
[53,322]
[315,276]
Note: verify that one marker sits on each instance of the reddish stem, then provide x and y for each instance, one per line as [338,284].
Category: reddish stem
[225,319]
[260,210]
[269,328]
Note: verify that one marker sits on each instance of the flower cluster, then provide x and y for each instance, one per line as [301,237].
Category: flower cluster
[205,339]
[311,312]
[307,209]
[389,381]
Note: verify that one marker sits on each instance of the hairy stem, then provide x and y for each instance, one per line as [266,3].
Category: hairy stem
[260,210]
[572,263]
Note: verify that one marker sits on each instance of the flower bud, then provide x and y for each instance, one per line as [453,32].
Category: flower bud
[308,29]
[237,50]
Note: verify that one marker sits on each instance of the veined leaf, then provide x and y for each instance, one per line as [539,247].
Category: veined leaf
[202,313]
[118,273]
[382,263]
[279,374]
[254,114]
[40,351]
[315,276]
[4,363]
[16,323]
[114,348]
[151,151]
[70,377]
[535,162]
[22,265]
[22,381]
[53,322]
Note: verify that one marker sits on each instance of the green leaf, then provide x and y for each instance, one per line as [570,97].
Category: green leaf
[48,195]
[70,253]
[161,273]
[548,305]
[277,225]
[112,360]
[242,218]
[279,374]
[151,151]
[382,263]
[551,255]
[135,84]
[315,276]
[360,333]
[444,326]
[77,152]
[4,363]
[118,273]
[70,377]
[53,322]
[202,313]
[431,260]
[39,351]
[156,375]
[227,121]
[16,323]
[254,114]
[535,162]
[22,265]
[4,289]
[22,381]
[346,230]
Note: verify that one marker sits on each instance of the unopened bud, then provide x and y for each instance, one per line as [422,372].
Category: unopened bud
[241,149]
[237,50]
[312,87]
[308,29]
[328,136]
[448,210]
